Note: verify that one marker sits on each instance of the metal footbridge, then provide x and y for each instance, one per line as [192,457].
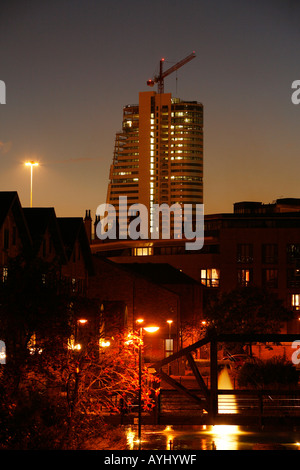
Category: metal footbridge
[198,400]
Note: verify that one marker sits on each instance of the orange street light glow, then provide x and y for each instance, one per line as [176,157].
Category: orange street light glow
[151,329]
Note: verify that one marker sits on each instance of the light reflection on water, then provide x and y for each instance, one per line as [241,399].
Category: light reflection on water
[209,438]
[218,437]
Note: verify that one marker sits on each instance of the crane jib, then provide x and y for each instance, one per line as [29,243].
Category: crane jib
[160,78]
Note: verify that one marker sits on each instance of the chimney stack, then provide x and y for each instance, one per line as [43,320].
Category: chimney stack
[88,225]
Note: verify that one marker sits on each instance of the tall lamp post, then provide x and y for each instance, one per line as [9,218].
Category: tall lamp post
[149,329]
[170,343]
[31,164]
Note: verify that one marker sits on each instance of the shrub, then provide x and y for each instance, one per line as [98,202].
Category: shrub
[272,373]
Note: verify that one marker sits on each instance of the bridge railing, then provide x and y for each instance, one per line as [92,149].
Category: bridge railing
[258,403]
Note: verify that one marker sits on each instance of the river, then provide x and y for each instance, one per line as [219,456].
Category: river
[212,438]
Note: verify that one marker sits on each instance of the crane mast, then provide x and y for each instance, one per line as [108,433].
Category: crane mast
[159,79]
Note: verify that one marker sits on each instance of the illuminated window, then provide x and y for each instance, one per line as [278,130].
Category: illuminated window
[210,277]
[143,251]
[168,347]
[4,273]
[295,301]
[244,277]
[2,352]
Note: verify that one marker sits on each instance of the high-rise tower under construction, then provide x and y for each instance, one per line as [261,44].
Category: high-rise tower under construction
[158,154]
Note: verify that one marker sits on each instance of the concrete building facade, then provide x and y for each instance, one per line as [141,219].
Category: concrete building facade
[158,155]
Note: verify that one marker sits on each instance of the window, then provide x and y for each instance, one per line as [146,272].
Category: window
[293,277]
[245,277]
[270,254]
[210,277]
[270,278]
[170,250]
[143,251]
[295,301]
[293,252]
[2,352]
[77,285]
[168,347]
[4,273]
[245,253]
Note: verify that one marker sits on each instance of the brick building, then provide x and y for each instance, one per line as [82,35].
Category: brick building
[143,298]
[15,237]
[256,244]
[109,294]
[37,234]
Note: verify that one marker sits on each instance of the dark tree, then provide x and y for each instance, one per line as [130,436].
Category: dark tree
[32,311]
[248,310]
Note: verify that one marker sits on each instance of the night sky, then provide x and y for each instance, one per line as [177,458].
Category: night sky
[70,66]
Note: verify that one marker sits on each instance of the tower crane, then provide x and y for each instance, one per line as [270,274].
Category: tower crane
[159,79]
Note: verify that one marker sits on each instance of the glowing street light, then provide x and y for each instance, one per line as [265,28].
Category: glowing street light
[31,164]
[170,323]
[151,329]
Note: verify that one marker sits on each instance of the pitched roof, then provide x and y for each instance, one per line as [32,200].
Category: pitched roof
[72,229]
[39,219]
[9,200]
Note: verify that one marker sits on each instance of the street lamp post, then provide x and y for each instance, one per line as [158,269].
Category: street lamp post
[169,345]
[150,329]
[139,322]
[170,323]
[31,164]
